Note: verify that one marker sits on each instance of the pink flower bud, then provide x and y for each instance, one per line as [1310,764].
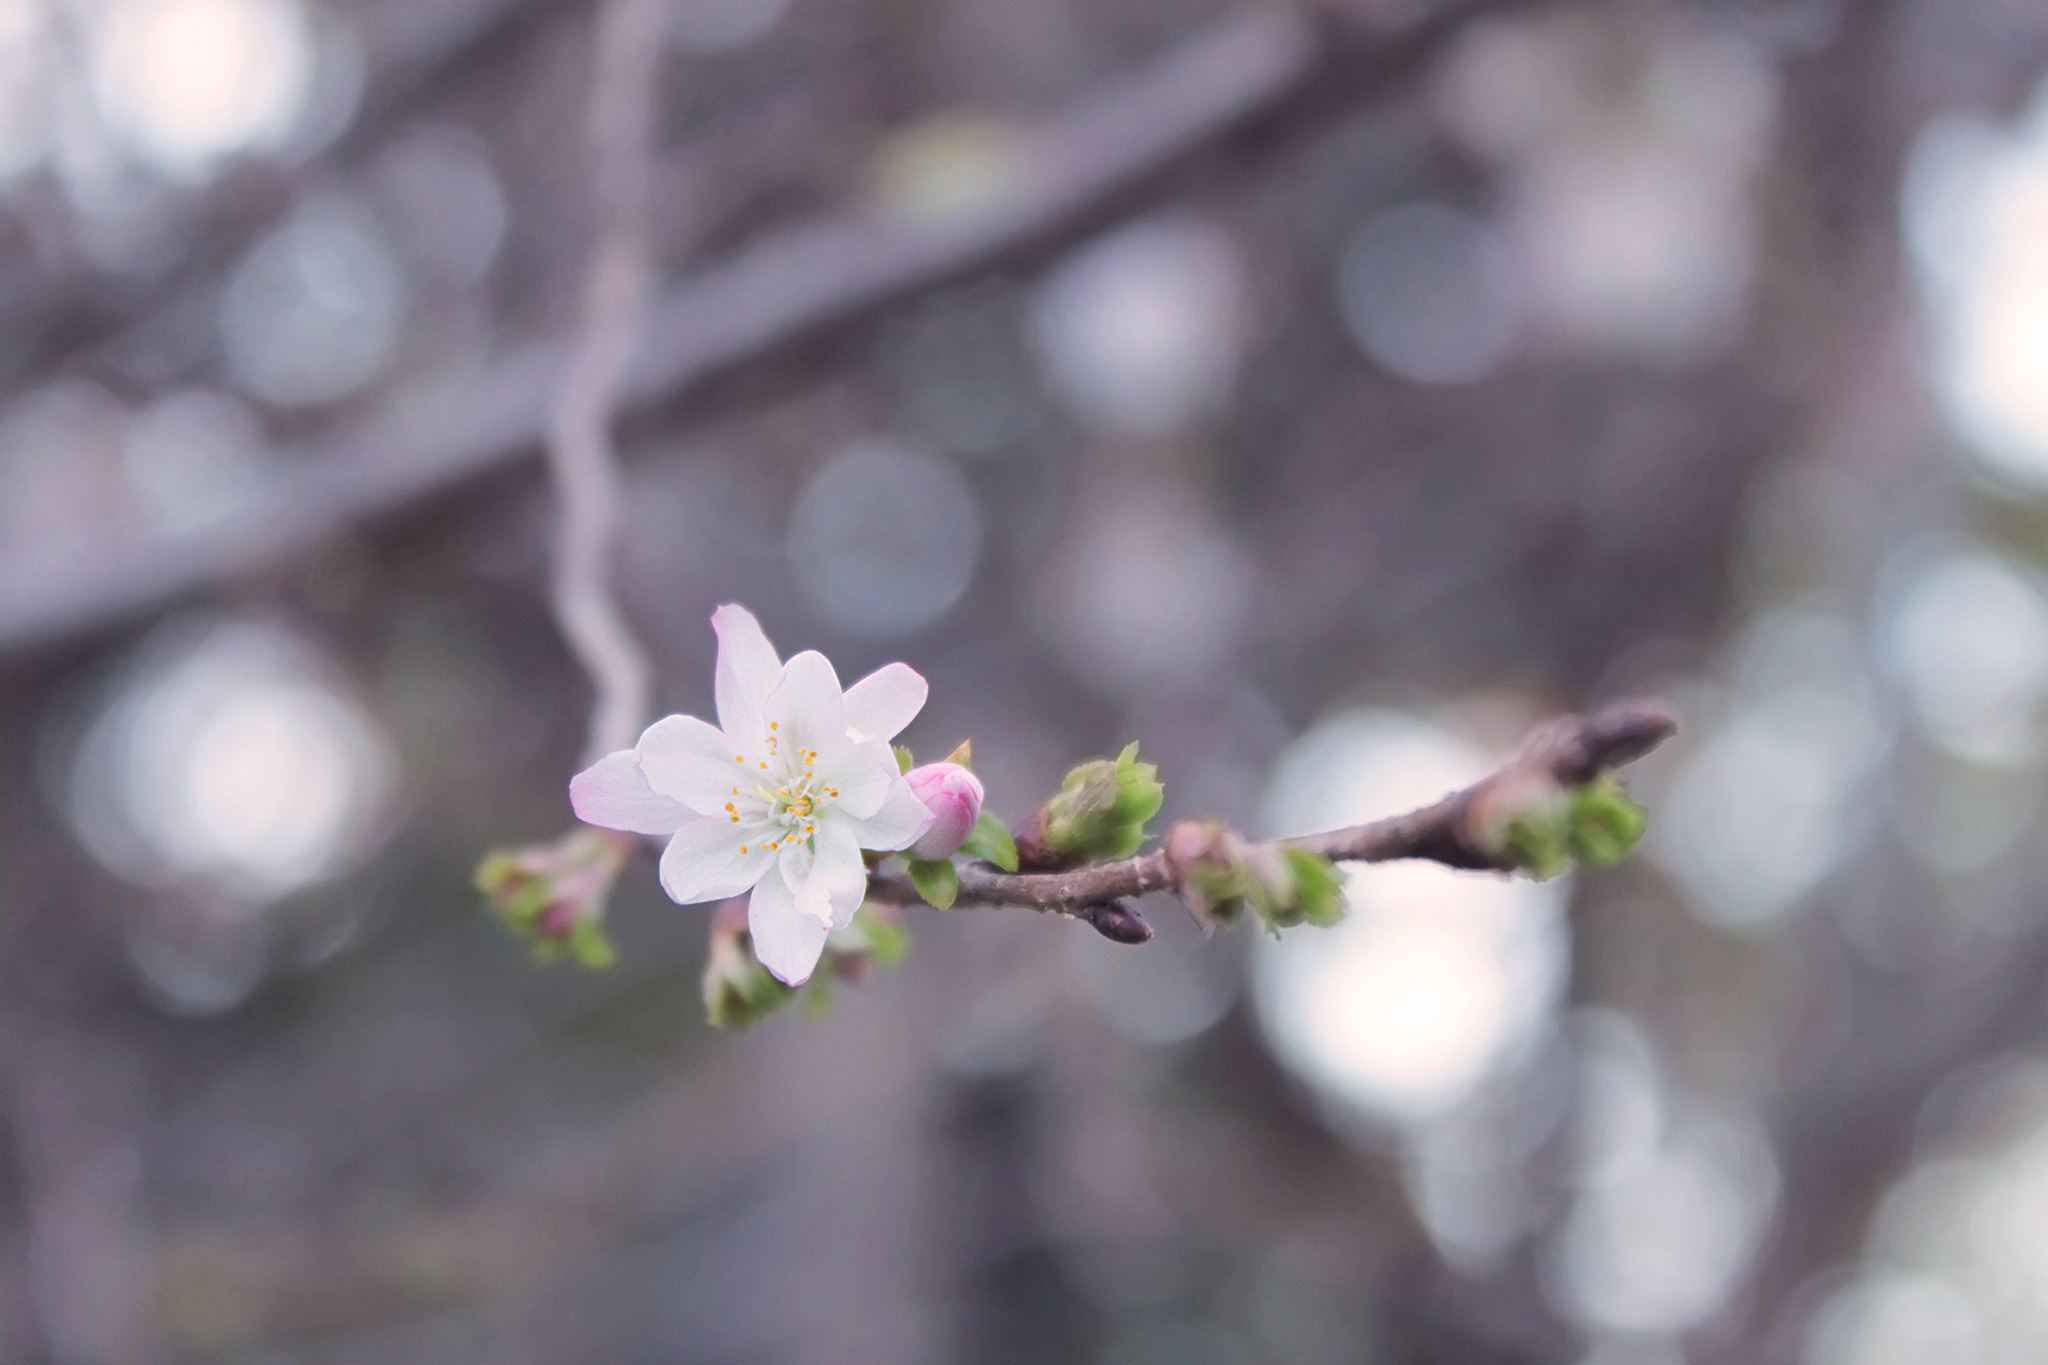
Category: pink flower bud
[953,796]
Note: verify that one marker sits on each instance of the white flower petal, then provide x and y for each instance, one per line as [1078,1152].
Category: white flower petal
[807,710]
[795,861]
[813,896]
[694,763]
[901,818]
[885,701]
[787,941]
[748,670]
[613,792]
[839,871]
[862,774]
[703,862]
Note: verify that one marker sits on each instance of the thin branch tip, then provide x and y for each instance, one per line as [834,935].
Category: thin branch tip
[1569,751]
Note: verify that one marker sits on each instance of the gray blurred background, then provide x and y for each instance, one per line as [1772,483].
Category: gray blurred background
[1318,396]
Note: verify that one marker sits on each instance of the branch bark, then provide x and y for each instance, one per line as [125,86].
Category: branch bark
[1568,751]
[787,286]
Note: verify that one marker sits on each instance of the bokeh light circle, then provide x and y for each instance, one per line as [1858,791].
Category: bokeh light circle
[1436,977]
[1428,292]
[1142,330]
[187,82]
[311,313]
[229,755]
[883,539]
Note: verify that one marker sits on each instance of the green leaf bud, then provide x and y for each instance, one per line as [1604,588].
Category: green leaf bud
[553,895]
[739,992]
[1606,822]
[1102,807]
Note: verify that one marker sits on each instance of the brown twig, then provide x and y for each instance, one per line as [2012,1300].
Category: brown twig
[787,286]
[580,456]
[1451,831]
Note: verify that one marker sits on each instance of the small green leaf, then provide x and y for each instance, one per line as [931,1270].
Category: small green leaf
[1318,887]
[738,991]
[1539,839]
[1139,793]
[963,755]
[1606,822]
[881,937]
[589,946]
[937,881]
[990,841]
[904,762]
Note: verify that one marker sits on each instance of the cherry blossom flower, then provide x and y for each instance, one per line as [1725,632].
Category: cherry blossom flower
[779,797]
[954,796]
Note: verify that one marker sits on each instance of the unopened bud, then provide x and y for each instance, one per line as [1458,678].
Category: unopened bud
[1101,808]
[1217,875]
[1119,922]
[739,992]
[553,895]
[1206,859]
[1529,821]
[953,795]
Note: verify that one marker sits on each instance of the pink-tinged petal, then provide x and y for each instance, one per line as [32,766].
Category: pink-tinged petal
[896,824]
[954,796]
[613,792]
[788,941]
[885,701]
[747,671]
[806,710]
[689,761]
[839,872]
[703,862]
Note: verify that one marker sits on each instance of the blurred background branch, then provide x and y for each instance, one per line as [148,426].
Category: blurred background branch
[628,47]
[788,285]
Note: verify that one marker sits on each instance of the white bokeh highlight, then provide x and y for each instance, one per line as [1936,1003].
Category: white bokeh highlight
[883,539]
[1428,292]
[1966,638]
[1436,977]
[229,755]
[1143,330]
[186,83]
[1674,1195]
[1955,1265]
[1975,209]
[1629,208]
[1774,793]
[193,456]
[311,314]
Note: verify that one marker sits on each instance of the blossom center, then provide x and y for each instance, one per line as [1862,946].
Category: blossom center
[795,803]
